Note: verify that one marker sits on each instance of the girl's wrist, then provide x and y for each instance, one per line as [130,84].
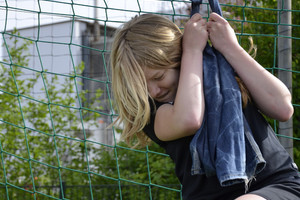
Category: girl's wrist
[192,51]
[230,53]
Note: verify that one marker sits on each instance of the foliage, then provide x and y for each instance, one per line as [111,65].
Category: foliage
[42,142]
[40,134]
[138,169]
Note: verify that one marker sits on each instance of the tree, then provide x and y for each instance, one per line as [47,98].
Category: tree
[39,135]
[139,173]
[42,142]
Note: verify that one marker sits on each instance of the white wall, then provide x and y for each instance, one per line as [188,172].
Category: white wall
[54,50]
[57,49]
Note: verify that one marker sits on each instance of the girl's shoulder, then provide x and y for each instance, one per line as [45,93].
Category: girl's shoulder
[149,128]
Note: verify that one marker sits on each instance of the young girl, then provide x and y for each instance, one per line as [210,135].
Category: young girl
[157,80]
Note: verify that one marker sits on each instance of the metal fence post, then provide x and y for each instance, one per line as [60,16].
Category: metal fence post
[285,62]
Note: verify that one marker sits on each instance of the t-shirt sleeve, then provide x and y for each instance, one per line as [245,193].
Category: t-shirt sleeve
[149,128]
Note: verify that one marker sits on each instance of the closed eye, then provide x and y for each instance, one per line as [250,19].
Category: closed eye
[160,77]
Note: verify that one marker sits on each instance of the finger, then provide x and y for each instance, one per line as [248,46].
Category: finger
[203,22]
[209,30]
[209,24]
[196,17]
[214,17]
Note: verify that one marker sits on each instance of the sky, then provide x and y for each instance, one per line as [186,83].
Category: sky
[26,13]
[84,8]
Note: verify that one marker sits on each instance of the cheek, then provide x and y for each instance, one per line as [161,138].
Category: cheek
[171,83]
[171,80]
[175,78]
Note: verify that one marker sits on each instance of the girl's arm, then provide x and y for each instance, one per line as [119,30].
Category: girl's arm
[269,93]
[185,116]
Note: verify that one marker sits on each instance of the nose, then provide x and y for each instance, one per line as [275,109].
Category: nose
[153,89]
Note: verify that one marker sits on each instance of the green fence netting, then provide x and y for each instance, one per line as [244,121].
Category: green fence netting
[56,103]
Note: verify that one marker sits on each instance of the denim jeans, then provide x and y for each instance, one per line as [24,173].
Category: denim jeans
[224,145]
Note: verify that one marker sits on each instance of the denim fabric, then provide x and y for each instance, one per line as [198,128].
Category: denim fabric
[224,145]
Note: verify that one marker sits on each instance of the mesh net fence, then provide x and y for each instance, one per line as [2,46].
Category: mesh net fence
[56,101]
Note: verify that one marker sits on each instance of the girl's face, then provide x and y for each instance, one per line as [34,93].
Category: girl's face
[162,83]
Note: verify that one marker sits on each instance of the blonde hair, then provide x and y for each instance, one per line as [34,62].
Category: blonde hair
[145,41]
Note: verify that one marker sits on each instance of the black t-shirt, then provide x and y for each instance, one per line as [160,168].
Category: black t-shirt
[199,187]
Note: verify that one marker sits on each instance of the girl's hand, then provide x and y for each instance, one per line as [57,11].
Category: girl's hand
[221,34]
[195,34]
